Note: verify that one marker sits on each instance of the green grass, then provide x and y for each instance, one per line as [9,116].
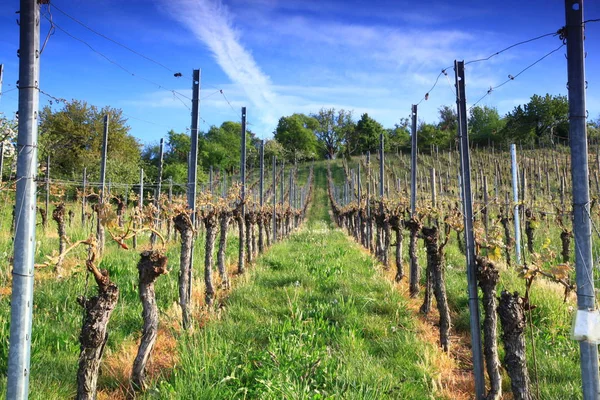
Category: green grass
[314,321]
[57,317]
[557,356]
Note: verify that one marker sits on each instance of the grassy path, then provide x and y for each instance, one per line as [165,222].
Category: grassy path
[314,320]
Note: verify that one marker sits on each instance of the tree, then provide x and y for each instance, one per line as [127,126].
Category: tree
[544,120]
[427,135]
[73,138]
[175,157]
[485,125]
[151,160]
[221,146]
[593,128]
[273,148]
[448,119]
[296,134]
[447,127]
[8,139]
[334,127]
[399,136]
[366,136]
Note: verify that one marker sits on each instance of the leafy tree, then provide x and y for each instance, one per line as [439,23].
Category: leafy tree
[593,128]
[366,135]
[333,129]
[448,119]
[296,134]
[175,157]
[151,160]
[220,146]
[73,138]
[485,125]
[178,147]
[273,148]
[427,135]
[8,138]
[399,136]
[447,127]
[544,120]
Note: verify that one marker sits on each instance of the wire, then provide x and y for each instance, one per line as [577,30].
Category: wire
[7,91]
[512,78]
[182,102]
[512,46]
[213,93]
[176,73]
[225,97]
[51,31]
[61,100]
[443,72]
[119,65]
[451,86]
[118,43]
[146,121]
[426,97]
[57,99]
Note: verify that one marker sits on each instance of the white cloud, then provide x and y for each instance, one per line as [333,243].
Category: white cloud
[211,23]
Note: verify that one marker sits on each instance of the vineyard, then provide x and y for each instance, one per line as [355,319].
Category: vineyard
[157,337]
[336,260]
[87,291]
[534,298]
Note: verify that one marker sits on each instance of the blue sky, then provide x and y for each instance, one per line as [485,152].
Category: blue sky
[278,57]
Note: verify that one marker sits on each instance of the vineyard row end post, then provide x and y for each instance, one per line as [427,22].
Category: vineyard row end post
[515,185]
[274,190]
[103,197]
[581,191]
[21,301]
[241,258]
[47,206]
[413,161]
[193,167]
[465,169]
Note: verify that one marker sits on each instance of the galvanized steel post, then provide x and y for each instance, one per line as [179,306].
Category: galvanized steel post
[584,265]
[465,168]
[21,301]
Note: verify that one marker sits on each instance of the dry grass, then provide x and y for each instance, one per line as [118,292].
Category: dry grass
[117,366]
[454,370]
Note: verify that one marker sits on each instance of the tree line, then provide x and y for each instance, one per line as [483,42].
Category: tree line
[543,121]
[72,137]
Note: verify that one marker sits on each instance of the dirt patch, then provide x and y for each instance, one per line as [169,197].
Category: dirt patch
[115,377]
[454,377]
[117,366]
[5,291]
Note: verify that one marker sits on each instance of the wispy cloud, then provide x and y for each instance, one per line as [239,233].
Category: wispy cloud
[211,23]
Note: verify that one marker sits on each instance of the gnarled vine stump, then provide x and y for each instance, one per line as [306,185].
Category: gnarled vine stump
[487,278]
[58,215]
[152,264]
[435,263]
[414,227]
[94,332]
[224,220]
[512,318]
[184,226]
[210,223]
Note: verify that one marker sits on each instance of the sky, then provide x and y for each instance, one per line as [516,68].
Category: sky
[280,57]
